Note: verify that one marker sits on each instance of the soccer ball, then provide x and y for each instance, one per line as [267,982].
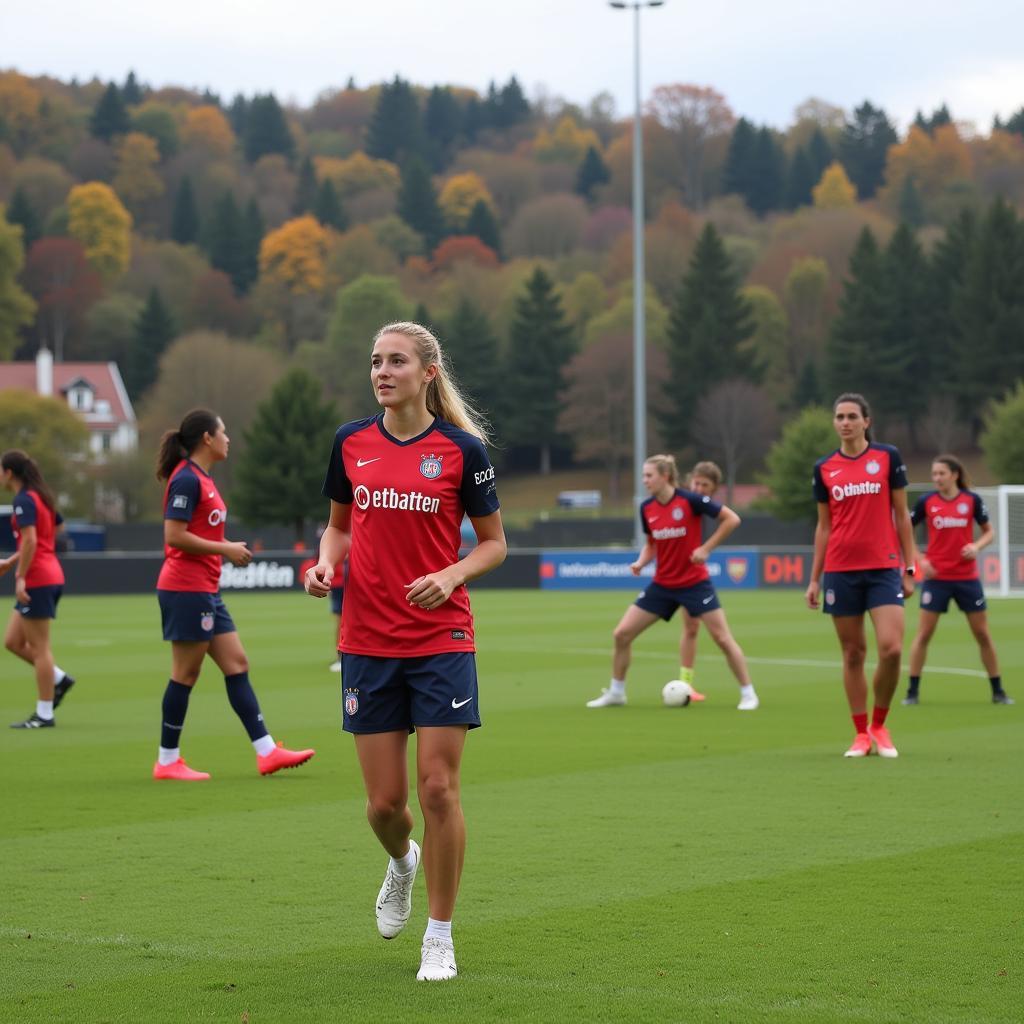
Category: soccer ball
[676,694]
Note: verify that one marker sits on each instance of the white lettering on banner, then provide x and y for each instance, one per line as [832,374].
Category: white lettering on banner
[257,576]
[669,532]
[484,475]
[941,522]
[839,492]
[403,501]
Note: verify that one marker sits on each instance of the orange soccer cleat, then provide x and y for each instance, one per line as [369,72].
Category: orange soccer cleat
[861,746]
[280,757]
[179,771]
[883,741]
[696,696]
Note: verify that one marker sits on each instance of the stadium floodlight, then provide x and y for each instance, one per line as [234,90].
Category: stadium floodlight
[639,325]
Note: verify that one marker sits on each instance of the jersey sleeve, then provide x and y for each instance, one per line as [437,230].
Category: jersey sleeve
[337,485]
[897,470]
[643,521]
[702,505]
[818,483]
[478,492]
[182,497]
[918,512]
[25,511]
[980,511]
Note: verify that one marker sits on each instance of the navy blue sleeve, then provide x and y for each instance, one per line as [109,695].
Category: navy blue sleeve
[919,512]
[58,519]
[820,490]
[980,511]
[182,496]
[702,504]
[337,485]
[25,511]
[643,522]
[897,469]
[478,492]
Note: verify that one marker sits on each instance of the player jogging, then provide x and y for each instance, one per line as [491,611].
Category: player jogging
[950,568]
[195,619]
[400,483]
[671,519]
[38,583]
[863,528]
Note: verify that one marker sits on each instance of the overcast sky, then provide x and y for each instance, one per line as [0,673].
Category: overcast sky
[765,57]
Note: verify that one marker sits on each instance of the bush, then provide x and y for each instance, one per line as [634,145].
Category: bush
[791,462]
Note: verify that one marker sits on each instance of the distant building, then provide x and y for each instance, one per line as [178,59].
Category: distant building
[94,391]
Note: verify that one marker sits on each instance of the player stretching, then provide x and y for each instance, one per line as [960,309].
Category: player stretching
[950,568]
[863,525]
[38,583]
[195,619]
[400,483]
[671,518]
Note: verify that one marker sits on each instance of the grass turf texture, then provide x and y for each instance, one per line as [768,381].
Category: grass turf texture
[638,863]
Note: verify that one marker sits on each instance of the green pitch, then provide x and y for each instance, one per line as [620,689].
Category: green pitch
[626,864]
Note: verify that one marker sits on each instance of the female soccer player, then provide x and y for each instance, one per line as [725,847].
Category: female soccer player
[195,620]
[38,583]
[950,568]
[863,527]
[671,518]
[399,484]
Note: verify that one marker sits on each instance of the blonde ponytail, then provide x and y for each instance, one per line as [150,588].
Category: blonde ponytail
[666,466]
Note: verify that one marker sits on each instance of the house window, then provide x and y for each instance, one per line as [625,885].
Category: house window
[80,399]
[105,442]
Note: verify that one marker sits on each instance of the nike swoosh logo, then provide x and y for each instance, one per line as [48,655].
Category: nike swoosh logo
[365,462]
[210,495]
[981,601]
[707,600]
[460,703]
[835,472]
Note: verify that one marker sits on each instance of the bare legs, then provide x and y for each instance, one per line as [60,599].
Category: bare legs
[888,622]
[29,639]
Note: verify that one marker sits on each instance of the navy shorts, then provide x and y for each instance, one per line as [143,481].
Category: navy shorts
[393,694]
[337,599]
[42,603]
[192,617]
[663,602]
[936,595]
[855,592]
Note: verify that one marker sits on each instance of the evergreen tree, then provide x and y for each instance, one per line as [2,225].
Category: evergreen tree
[808,387]
[131,92]
[491,107]
[442,122]
[223,240]
[820,152]
[266,130]
[210,99]
[305,189]
[768,173]
[801,180]
[281,470]
[909,203]
[593,171]
[864,146]
[252,236]
[421,315]
[1014,124]
[473,350]
[473,119]
[541,344]
[483,224]
[327,207]
[417,202]
[21,211]
[512,105]
[738,176]
[110,118]
[238,115]
[154,331]
[395,131]
[709,321]
[804,440]
[185,218]
[939,117]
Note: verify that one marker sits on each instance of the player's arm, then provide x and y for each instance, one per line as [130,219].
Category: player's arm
[177,535]
[27,551]
[647,555]
[822,531]
[905,532]
[987,535]
[335,542]
[727,522]
[432,590]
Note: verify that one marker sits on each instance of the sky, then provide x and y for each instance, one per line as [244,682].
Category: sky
[766,58]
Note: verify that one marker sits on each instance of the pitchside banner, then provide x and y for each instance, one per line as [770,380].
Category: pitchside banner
[730,569]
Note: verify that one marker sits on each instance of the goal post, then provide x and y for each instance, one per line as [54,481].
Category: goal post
[1002,563]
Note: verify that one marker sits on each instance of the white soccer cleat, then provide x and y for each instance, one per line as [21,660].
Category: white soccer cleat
[608,699]
[748,704]
[437,960]
[394,901]
[335,666]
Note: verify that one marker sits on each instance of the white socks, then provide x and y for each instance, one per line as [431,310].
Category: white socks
[618,686]
[167,755]
[747,690]
[44,708]
[264,745]
[58,674]
[404,865]
[438,930]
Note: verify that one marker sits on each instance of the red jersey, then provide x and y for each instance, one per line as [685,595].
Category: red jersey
[675,529]
[858,491]
[31,510]
[950,526]
[408,499]
[192,497]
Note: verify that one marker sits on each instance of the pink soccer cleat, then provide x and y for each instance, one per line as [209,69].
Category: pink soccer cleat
[860,747]
[280,757]
[179,772]
[883,741]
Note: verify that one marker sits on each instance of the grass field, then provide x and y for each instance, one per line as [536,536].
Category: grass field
[629,864]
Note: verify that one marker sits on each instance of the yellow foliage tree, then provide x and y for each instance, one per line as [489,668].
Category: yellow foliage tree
[835,190]
[17,307]
[20,101]
[136,181]
[356,173]
[98,220]
[932,162]
[295,255]
[207,128]
[567,142]
[460,194]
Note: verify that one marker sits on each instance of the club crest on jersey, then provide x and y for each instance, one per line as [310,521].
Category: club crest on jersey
[206,622]
[872,467]
[351,702]
[962,508]
[677,514]
[430,466]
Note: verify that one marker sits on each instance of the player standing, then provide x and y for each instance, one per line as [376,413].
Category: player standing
[950,568]
[863,525]
[400,483]
[38,583]
[671,519]
[195,619]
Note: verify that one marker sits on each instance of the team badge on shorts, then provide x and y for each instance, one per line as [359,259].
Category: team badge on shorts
[206,622]
[926,597]
[351,702]
[430,466]
[872,467]
[830,596]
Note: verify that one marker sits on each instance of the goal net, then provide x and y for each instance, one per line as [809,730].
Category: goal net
[1002,562]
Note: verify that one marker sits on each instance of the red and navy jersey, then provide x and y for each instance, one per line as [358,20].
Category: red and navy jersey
[858,491]
[675,529]
[31,510]
[408,499]
[950,526]
[192,497]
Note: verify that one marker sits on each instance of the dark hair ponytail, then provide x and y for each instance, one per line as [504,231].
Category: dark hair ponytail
[25,469]
[956,467]
[860,400]
[179,444]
